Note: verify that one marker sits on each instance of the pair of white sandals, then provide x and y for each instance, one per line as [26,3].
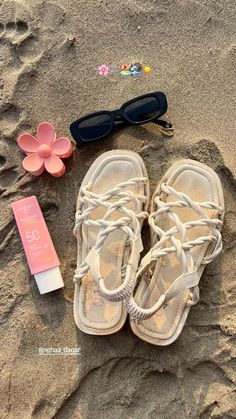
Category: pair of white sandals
[185,221]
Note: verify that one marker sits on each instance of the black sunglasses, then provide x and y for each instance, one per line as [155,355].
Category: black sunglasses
[137,111]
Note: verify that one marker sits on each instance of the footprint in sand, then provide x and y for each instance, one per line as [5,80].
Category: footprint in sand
[25,38]
[15,29]
[18,47]
[8,168]
[19,43]
[10,117]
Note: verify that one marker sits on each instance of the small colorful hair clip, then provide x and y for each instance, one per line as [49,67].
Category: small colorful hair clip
[124,67]
[135,69]
[103,70]
[147,69]
[45,151]
[124,70]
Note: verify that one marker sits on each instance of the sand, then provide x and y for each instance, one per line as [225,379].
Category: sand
[49,52]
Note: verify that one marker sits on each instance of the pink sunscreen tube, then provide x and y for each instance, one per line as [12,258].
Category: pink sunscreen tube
[40,252]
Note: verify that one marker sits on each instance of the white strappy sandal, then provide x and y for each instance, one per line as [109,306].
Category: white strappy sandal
[186,218]
[111,207]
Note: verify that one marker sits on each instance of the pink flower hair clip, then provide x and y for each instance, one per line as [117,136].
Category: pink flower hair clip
[45,151]
[103,70]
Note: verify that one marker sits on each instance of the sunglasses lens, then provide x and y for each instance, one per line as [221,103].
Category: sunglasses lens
[143,109]
[95,127]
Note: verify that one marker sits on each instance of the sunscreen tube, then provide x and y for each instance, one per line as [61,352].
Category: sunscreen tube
[40,252]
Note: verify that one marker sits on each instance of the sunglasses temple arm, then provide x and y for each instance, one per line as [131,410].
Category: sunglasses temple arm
[162,123]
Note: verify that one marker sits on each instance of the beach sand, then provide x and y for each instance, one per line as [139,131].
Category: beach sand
[49,53]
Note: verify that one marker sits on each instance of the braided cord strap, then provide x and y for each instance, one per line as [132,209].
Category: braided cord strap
[129,223]
[126,288]
[182,247]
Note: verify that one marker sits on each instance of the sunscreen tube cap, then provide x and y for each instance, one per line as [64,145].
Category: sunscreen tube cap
[49,280]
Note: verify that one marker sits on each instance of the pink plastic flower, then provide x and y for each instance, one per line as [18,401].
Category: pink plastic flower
[103,70]
[45,151]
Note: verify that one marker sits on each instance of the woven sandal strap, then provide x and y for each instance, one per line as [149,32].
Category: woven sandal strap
[126,288]
[181,246]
